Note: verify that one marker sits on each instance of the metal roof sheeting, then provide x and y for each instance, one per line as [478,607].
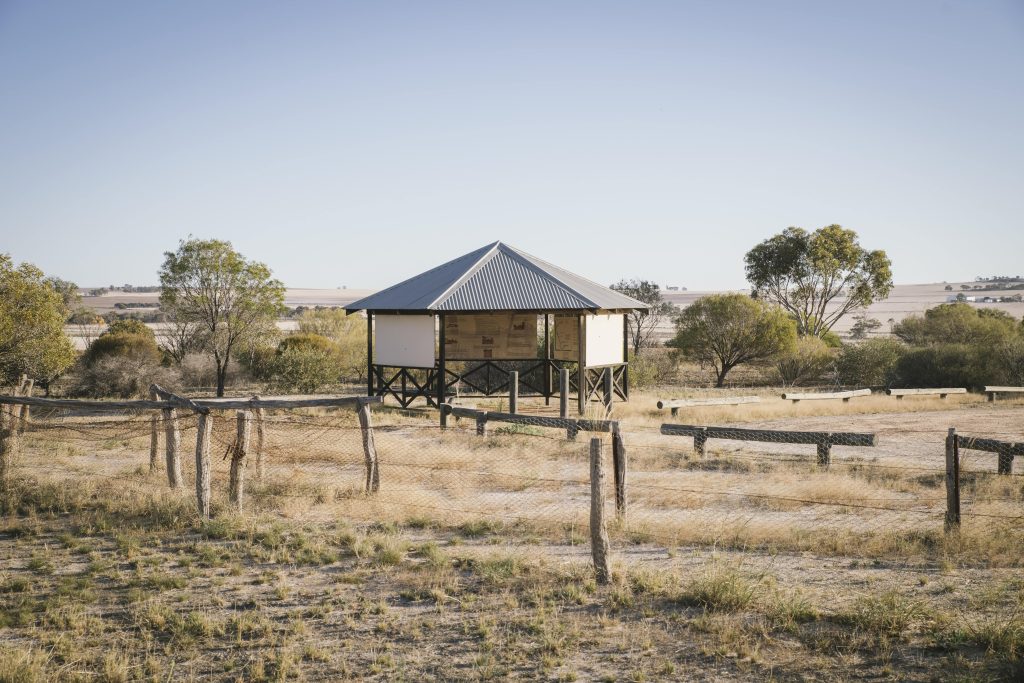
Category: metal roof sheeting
[496,277]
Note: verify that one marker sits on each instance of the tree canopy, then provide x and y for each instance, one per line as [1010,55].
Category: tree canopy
[818,277]
[32,315]
[642,324]
[233,301]
[958,323]
[727,330]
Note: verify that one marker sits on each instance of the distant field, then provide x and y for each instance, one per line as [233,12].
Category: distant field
[903,301]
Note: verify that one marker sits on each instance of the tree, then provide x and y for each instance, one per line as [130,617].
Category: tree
[348,332]
[958,323]
[726,330]
[641,324]
[232,300]
[864,326]
[32,315]
[806,272]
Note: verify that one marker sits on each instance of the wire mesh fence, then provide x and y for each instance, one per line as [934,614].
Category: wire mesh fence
[778,488]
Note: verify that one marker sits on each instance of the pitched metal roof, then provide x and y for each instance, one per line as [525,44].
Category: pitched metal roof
[497,277]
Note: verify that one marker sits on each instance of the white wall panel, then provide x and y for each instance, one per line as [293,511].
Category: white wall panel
[604,339]
[404,340]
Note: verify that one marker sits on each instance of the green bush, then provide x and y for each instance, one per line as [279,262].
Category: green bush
[139,346]
[870,363]
[808,360]
[305,363]
[944,365]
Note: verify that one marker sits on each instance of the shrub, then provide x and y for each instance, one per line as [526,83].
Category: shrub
[125,345]
[652,367]
[130,326]
[869,363]
[945,365]
[348,332]
[305,363]
[808,360]
[123,376]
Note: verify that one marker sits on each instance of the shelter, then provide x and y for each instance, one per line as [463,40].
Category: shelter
[464,326]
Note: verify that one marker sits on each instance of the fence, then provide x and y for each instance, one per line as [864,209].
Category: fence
[862,494]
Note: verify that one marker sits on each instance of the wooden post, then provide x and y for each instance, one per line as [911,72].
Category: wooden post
[675,412]
[563,393]
[442,372]
[481,424]
[581,388]
[8,446]
[619,463]
[700,443]
[625,355]
[369,353]
[172,450]
[598,531]
[236,484]
[609,391]
[547,359]
[204,432]
[25,412]
[1005,462]
[825,451]
[952,482]
[513,392]
[154,436]
[261,439]
[572,430]
[369,449]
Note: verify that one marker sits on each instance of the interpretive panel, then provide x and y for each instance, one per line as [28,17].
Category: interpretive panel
[404,340]
[481,336]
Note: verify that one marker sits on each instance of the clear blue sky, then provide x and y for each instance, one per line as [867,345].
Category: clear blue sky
[358,143]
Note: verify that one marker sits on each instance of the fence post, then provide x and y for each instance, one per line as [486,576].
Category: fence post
[606,378]
[952,481]
[259,414]
[204,431]
[700,440]
[481,424]
[572,430]
[369,449]
[513,392]
[8,445]
[236,485]
[172,438]
[825,451]
[1005,461]
[154,435]
[619,462]
[26,415]
[563,393]
[598,531]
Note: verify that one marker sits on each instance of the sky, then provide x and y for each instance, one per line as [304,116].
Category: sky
[358,143]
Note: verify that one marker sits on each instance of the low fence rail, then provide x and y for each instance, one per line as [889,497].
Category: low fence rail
[823,440]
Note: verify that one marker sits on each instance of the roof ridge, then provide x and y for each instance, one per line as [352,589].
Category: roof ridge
[561,279]
[529,259]
[492,248]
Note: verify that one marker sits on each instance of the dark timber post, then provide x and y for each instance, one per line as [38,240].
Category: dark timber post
[625,355]
[513,392]
[952,481]
[825,451]
[619,463]
[369,353]
[547,360]
[563,393]
[609,392]
[700,441]
[172,447]
[441,372]
[582,394]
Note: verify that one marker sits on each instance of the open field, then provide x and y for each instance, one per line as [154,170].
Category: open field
[472,561]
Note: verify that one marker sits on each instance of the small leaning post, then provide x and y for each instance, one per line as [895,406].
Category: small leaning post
[172,437]
[952,482]
[261,437]
[204,432]
[236,485]
[619,462]
[598,531]
[369,448]
[154,436]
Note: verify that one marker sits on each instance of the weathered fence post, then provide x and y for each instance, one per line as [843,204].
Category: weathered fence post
[572,430]
[952,482]
[369,449]
[513,392]
[172,437]
[619,462]
[700,441]
[598,531]
[8,446]
[204,431]
[481,424]
[154,435]
[825,451]
[609,389]
[236,484]
[260,414]
[25,412]
[563,393]
[1005,462]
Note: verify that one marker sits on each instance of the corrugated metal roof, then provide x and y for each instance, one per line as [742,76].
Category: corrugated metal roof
[496,277]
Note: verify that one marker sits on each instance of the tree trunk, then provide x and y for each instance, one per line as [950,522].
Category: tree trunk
[720,381]
[222,373]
